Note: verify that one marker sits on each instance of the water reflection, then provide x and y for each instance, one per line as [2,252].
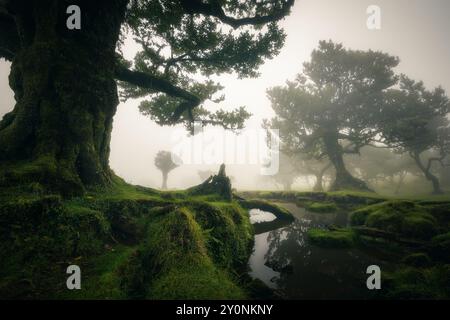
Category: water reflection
[286,261]
[257,216]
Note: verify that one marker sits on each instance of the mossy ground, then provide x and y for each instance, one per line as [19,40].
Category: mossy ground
[409,282]
[130,242]
[139,243]
[321,207]
[405,218]
[283,216]
[340,238]
[319,201]
[280,212]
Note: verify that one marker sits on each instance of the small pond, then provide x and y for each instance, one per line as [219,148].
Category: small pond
[285,261]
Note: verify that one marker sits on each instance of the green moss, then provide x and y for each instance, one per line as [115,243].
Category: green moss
[341,238]
[419,259]
[101,278]
[401,217]
[131,242]
[39,236]
[414,283]
[356,194]
[178,265]
[440,247]
[279,212]
[45,171]
[321,207]
[347,198]
[442,238]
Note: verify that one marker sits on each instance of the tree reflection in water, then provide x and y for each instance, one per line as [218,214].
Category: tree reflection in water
[305,271]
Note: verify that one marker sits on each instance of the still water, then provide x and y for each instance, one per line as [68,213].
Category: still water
[285,261]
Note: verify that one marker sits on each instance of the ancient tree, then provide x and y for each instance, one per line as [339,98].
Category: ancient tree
[415,122]
[331,108]
[65,80]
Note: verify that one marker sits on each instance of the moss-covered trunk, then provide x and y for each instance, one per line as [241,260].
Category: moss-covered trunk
[343,180]
[59,131]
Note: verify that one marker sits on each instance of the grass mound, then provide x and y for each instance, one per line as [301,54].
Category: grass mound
[339,238]
[406,218]
[440,247]
[176,250]
[414,283]
[418,259]
[321,207]
[344,198]
[37,236]
[130,242]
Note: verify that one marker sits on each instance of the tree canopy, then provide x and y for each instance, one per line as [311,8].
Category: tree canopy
[165,163]
[65,81]
[414,120]
[185,42]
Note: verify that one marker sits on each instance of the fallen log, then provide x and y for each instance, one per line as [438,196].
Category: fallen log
[377,233]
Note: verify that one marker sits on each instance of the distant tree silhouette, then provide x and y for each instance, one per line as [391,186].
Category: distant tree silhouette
[328,111]
[414,122]
[164,162]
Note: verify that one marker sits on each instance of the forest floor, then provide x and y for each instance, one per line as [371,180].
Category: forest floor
[129,242]
[132,242]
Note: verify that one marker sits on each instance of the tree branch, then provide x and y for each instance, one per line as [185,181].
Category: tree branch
[145,80]
[435,159]
[214,9]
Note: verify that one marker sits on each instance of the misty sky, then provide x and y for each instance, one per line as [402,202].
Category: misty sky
[415,30]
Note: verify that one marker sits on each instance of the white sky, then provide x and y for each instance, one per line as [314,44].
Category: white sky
[415,30]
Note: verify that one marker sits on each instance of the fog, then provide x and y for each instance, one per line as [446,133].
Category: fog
[416,31]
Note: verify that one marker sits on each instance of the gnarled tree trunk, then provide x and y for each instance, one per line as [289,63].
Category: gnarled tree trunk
[59,131]
[343,180]
[427,173]
[318,185]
